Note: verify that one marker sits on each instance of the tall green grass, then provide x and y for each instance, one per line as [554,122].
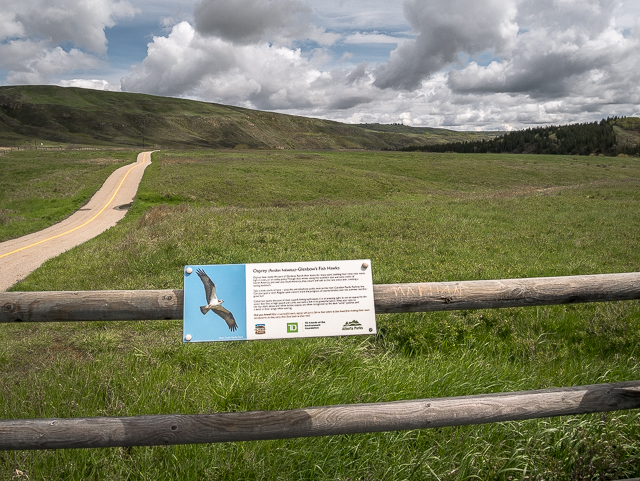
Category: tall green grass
[419,218]
[40,188]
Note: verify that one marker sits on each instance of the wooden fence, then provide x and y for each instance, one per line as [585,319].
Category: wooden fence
[327,420]
[67,148]
[420,297]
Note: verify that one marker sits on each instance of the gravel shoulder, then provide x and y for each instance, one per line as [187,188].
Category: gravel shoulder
[21,256]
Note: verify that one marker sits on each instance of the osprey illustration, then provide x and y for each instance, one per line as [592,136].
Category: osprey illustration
[213,303]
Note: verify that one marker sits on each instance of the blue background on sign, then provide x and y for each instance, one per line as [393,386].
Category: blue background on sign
[231,287]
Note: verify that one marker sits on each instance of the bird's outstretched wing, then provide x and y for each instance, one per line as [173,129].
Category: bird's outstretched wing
[227,316]
[209,286]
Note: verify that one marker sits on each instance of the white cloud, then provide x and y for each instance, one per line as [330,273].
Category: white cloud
[186,63]
[359,15]
[262,75]
[33,62]
[10,27]
[368,38]
[628,15]
[32,34]
[93,84]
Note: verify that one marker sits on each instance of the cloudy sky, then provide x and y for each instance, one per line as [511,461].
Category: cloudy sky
[460,64]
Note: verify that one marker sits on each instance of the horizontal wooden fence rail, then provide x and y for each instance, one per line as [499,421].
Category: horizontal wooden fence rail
[419,297]
[154,430]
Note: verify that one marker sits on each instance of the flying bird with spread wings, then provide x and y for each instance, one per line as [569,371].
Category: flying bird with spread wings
[213,303]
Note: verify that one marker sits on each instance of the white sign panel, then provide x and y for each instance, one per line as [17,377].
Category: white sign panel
[278,300]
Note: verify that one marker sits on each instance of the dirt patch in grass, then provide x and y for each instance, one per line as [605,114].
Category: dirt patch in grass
[530,191]
[159,213]
[177,161]
[100,161]
[66,349]
[6,217]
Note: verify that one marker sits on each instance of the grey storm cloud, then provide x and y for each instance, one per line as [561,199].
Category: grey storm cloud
[79,22]
[588,16]
[547,75]
[250,21]
[358,73]
[345,103]
[563,48]
[446,28]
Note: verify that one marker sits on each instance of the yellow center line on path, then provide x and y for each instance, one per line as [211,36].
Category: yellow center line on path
[80,226]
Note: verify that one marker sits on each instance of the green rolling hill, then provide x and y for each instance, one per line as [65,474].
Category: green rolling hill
[73,116]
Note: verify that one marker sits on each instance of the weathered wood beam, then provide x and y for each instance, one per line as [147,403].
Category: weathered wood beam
[536,291]
[52,306]
[103,432]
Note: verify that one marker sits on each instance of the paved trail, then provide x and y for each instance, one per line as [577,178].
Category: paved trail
[19,257]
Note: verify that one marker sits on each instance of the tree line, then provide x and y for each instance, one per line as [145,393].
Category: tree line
[577,139]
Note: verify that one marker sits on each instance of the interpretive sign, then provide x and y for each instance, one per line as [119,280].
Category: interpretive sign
[278,300]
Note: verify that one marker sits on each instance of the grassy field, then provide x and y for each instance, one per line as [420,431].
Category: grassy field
[40,188]
[419,217]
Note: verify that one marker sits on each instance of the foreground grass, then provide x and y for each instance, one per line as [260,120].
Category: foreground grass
[431,218]
[40,188]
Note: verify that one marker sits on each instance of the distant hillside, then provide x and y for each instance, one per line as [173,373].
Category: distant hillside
[433,136]
[627,130]
[611,136]
[89,117]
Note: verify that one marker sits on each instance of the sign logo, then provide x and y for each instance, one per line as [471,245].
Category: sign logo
[352,326]
[292,327]
[260,329]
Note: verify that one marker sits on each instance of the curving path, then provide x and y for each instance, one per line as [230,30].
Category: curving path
[19,257]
